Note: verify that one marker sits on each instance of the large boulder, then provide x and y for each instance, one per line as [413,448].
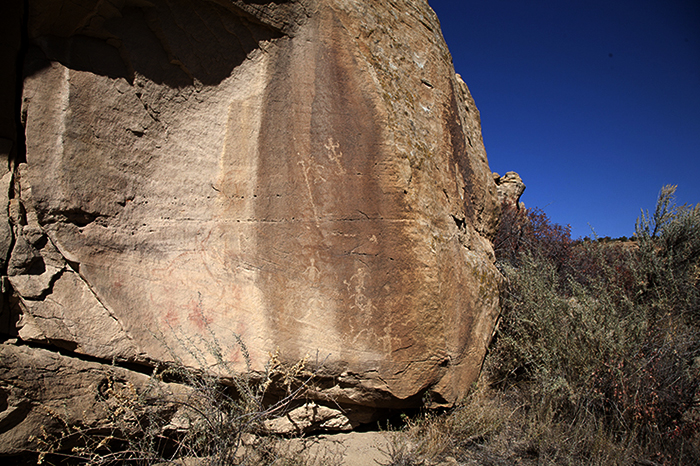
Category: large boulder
[299,178]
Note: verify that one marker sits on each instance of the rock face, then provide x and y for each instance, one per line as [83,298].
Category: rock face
[45,393]
[509,187]
[307,176]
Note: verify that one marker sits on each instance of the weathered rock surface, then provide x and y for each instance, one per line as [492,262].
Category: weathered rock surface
[44,394]
[308,176]
[310,417]
[509,187]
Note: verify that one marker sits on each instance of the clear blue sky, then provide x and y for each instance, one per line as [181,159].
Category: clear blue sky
[595,103]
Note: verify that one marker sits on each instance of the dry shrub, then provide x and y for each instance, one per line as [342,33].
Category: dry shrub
[211,417]
[432,438]
[600,339]
[596,361]
[597,356]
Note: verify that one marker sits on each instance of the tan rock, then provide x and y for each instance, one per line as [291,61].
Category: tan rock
[43,395]
[307,176]
[509,187]
[308,418]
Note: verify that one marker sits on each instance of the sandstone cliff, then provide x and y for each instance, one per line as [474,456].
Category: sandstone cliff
[307,176]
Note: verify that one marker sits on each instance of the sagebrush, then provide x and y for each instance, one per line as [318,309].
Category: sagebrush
[597,357]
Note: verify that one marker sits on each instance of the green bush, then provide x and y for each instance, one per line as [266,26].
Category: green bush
[596,360]
[605,333]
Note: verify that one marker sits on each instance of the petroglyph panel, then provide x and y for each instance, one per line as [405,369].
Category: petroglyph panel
[293,182]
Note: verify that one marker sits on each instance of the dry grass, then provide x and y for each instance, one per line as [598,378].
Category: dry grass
[597,359]
[597,362]
[207,418]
